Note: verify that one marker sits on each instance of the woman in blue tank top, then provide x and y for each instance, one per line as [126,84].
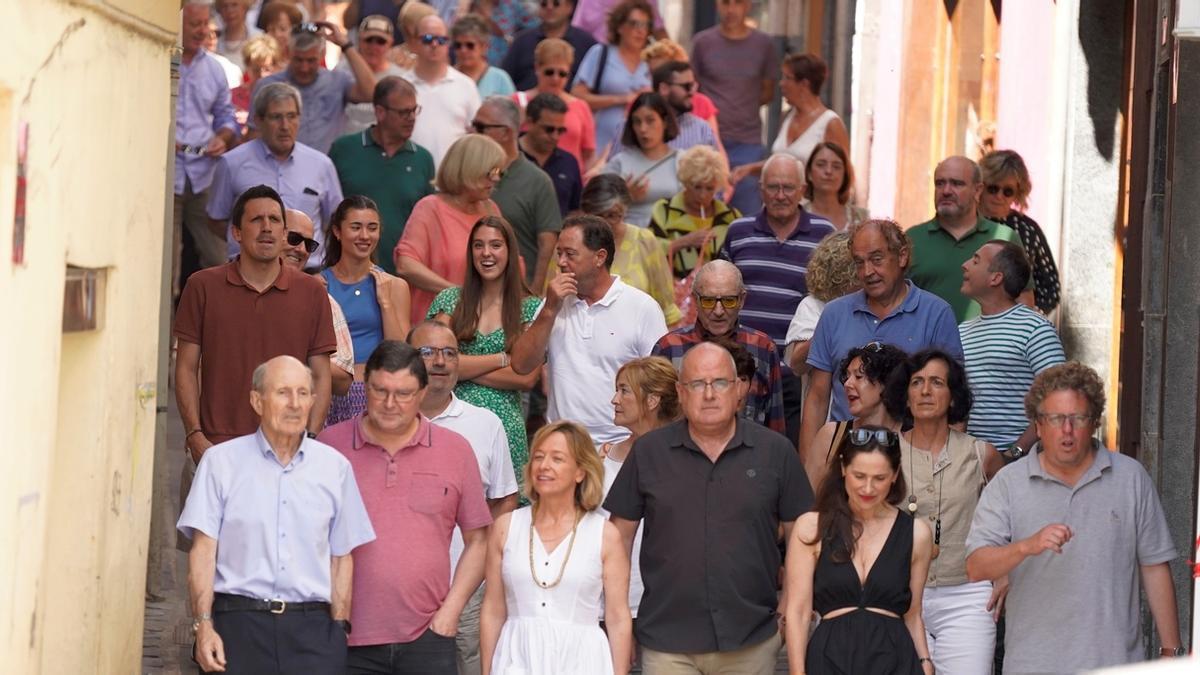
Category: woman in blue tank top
[375,303]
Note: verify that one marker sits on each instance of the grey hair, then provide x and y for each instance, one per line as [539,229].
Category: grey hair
[509,111]
[603,192]
[258,379]
[304,41]
[276,91]
[718,266]
[782,157]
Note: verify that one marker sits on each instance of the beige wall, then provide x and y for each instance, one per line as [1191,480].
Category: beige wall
[92,80]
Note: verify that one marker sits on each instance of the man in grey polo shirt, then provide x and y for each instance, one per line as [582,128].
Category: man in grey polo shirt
[1075,527]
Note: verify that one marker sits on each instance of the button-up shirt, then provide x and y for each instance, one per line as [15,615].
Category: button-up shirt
[324,102]
[202,109]
[709,551]
[306,181]
[276,525]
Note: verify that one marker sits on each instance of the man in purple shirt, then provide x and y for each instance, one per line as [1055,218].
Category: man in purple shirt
[305,178]
[205,128]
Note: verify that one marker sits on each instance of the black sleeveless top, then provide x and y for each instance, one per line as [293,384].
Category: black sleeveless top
[836,585]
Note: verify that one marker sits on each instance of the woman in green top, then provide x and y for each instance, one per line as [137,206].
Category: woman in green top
[488,313]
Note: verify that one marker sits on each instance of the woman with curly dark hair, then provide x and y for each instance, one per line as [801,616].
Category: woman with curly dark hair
[945,470]
[859,562]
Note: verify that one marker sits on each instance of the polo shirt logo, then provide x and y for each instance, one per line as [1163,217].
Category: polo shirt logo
[751,473]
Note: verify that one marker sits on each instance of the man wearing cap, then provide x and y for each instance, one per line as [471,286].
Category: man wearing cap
[273,519]
[374,42]
[448,99]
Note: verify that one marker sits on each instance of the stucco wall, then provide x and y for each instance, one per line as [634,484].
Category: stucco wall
[91,79]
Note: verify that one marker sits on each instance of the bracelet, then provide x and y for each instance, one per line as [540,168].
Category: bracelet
[923,659]
[193,431]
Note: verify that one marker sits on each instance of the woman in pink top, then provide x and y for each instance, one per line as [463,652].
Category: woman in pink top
[552,61]
[429,255]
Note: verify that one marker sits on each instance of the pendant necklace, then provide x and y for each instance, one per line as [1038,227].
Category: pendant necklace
[912,497]
[566,558]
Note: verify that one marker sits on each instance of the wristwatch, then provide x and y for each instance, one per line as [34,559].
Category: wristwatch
[1173,653]
[344,624]
[1016,452]
[199,620]
[310,434]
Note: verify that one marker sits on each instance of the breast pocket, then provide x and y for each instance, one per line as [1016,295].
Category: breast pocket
[428,493]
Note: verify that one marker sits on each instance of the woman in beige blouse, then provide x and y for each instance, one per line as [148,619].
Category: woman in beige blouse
[945,470]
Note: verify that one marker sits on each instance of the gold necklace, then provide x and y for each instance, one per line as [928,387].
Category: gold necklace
[561,570]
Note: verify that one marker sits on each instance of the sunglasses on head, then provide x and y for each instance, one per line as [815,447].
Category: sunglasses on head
[555,72]
[429,38]
[375,40]
[1008,191]
[295,239]
[305,27]
[861,437]
[708,302]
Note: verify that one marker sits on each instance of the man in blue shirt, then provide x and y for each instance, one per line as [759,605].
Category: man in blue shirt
[556,23]
[273,518]
[889,309]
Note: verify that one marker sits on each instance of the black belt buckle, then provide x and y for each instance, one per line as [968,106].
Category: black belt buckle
[276,606]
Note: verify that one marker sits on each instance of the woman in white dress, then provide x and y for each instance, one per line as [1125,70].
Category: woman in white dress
[808,122]
[548,564]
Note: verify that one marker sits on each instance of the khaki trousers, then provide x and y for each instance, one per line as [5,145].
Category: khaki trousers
[756,659]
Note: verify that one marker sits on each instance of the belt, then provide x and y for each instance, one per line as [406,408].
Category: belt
[225,602]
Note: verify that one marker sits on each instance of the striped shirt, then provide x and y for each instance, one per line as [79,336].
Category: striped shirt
[773,270]
[1003,353]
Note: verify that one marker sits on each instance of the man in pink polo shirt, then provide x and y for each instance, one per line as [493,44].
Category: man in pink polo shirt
[418,480]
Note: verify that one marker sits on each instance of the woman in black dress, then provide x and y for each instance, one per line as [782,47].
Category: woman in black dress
[860,563]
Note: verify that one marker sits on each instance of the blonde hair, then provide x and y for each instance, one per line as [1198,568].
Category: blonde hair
[467,163]
[700,163]
[590,491]
[553,49]
[261,50]
[831,272]
[653,375]
[411,15]
[664,50]
[1000,164]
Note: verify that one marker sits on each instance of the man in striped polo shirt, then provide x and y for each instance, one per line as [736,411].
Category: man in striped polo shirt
[1005,347]
[772,250]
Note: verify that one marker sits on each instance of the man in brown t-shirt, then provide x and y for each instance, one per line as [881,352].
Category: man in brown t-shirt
[235,316]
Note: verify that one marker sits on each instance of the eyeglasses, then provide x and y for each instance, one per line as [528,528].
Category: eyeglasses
[447,353]
[637,25]
[708,302]
[719,385]
[403,112]
[686,86]
[1058,419]
[551,130]
[861,437]
[379,393]
[429,38]
[555,72]
[305,27]
[469,46]
[1008,191]
[552,3]
[496,174]
[295,239]
[482,127]
[875,346]
[777,188]
[375,40]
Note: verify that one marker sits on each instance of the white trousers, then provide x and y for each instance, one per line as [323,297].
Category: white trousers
[959,629]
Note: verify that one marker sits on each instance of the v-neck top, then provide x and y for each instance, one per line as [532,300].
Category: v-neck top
[836,585]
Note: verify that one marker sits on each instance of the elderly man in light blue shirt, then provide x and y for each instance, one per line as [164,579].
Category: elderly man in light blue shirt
[305,178]
[205,128]
[273,518]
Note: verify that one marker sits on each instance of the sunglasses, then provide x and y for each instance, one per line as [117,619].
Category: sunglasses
[305,27]
[861,437]
[1008,191]
[429,38]
[638,25]
[555,72]
[496,174]
[686,86]
[552,3]
[469,46]
[708,302]
[375,40]
[295,239]
[552,130]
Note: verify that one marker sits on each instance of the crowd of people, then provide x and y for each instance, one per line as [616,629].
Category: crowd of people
[512,347]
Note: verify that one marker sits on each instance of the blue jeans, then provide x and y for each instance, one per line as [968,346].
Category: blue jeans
[746,198]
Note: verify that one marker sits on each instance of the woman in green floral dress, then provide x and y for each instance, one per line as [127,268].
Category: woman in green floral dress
[488,313]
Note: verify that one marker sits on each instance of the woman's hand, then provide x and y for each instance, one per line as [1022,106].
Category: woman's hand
[690,240]
[638,187]
[383,287]
[999,594]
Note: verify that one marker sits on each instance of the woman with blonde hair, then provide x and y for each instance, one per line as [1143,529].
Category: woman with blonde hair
[548,564]
[261,56]
[693,223]
[429,254]
[552,60]
[831,274]
[405,54]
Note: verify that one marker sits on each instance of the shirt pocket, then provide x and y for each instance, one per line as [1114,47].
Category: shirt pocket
[428,493]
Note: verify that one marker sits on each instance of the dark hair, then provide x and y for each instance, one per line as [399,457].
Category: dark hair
[464,320]
[659,105]
[272,10]
[1012,263]
[256,192]
[597,235]
[392,356]
[544,102]
[663,73]
[744,363]
[333,245]
[617,16]
[391,83]
[836,526]
[879,361]
[808,67]
[847,171]
[895,396]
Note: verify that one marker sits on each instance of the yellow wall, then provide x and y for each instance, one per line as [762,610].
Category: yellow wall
[92,80]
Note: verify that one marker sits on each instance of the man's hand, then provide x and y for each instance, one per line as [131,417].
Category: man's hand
[216,147]
[197,444]
[999,593]
[1050,538]
[562,285]
[334,33]
[210,650]
[443,623]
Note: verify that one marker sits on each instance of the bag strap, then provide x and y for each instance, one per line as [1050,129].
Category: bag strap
[600,69]
[838,433]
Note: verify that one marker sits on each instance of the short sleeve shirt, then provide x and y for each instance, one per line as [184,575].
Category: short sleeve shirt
[527,200]
[415,499]
[709,551]
[732,72]
[937,260]
[324,102]
[238,328]
[617,79]
[563,170]
[448,105]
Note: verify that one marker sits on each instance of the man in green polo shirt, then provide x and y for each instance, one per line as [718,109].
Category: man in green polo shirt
[942,245]
[382,163]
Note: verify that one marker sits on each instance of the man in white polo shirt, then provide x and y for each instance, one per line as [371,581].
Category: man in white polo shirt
[448,99]
[591,324]
[483,430]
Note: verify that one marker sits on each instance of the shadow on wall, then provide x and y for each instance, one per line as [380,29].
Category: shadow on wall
[1102,39]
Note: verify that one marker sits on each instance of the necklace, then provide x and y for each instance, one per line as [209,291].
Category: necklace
[566,558]
[912,497]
